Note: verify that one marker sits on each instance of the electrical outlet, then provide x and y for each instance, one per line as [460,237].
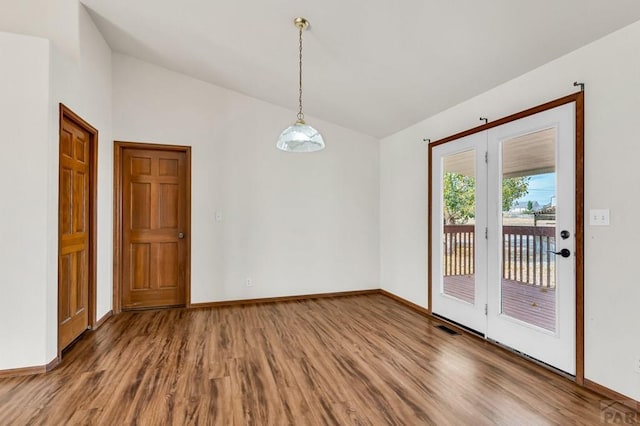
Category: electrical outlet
[249,283]
[636,364]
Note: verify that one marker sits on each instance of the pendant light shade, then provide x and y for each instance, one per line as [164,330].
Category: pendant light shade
[300,137]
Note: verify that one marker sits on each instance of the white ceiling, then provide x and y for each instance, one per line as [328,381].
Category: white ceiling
[376,67]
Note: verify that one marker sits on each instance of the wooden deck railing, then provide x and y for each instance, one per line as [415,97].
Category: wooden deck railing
[526,253]
[459,243]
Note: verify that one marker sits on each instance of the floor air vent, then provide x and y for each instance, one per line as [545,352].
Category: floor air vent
[447,329]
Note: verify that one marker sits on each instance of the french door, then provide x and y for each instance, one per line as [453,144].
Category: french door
[503,234]
[459,225]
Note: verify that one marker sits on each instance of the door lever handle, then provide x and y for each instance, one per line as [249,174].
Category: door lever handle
[564,252]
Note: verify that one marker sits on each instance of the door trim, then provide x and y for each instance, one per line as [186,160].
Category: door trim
[578,98]
[118,149]
[67,114]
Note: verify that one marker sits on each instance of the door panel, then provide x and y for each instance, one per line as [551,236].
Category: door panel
[73,259]
[531,290]
[154,219]
[169,197]
[459,268]
[168,272]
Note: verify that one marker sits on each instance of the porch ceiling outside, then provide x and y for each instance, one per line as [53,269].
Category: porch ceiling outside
[526,155]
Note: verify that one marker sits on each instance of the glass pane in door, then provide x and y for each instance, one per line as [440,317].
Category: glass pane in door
[458,213]
[528,284]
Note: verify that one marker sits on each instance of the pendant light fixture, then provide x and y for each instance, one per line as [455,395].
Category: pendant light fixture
[300,137]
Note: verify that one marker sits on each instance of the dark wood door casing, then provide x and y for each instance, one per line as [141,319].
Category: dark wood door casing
[152,226]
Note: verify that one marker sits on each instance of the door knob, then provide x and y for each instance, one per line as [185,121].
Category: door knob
[564,234]
[563,252]
[181,235]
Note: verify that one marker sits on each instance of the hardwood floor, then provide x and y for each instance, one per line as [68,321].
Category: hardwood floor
[362,360]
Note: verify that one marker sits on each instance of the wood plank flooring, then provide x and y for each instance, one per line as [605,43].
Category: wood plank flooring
[362,360]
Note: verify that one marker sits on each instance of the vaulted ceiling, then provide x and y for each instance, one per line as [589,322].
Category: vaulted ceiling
[376,67]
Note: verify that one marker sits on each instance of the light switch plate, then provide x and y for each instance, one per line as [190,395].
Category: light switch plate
[599,217]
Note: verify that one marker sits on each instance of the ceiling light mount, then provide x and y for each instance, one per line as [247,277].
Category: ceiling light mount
[300,137]
[301,23]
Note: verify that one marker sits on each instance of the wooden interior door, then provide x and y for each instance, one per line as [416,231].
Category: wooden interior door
[154,240]
[74,229]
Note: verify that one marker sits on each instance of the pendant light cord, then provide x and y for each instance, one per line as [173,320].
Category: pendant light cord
[300,114]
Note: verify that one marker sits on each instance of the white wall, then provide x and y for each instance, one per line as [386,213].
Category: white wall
[610,67]
[56,20]
[294,224]
[35,76]
[403,216]
[82,83]
[24,105]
